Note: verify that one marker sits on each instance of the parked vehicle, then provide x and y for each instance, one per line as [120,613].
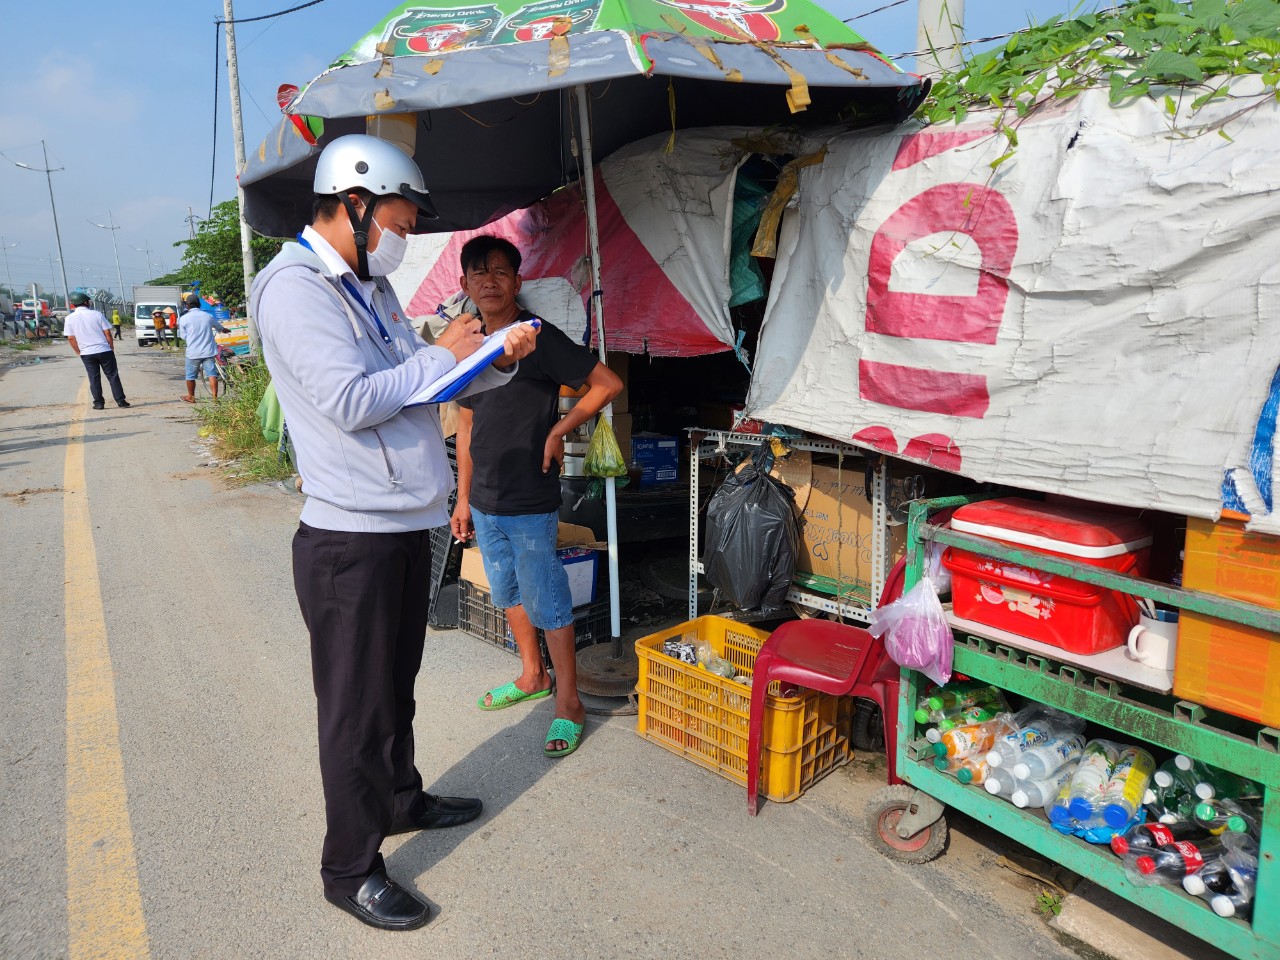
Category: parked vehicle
[146,300]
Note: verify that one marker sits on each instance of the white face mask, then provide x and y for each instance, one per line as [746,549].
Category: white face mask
[389,253]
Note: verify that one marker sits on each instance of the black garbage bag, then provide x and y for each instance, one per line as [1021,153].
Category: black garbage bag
[751,538]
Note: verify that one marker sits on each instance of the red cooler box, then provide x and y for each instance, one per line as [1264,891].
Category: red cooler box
[1075,616]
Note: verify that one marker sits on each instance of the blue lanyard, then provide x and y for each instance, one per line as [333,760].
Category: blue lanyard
[351,289]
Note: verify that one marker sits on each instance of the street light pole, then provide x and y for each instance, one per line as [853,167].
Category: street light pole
[237,130]
[111,225]
[57,234]
[147,250]
[6,247]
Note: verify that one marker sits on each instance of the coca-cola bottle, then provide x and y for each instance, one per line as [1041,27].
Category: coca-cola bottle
[1173,862]
[1146,836]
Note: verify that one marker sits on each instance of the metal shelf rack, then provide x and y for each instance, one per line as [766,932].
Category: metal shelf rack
[707,442]
[1228,742]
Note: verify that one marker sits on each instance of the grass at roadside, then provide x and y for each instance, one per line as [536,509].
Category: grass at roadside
[233,426]
[16,345]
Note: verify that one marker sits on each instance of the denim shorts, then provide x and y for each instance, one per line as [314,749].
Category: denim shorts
[523,569]
[194,365]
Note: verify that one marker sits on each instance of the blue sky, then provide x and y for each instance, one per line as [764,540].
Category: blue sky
[124,101]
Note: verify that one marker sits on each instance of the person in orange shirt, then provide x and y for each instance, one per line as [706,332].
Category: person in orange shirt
[171,319]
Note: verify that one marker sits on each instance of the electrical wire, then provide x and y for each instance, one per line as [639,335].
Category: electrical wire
[963,43]
[887,6]
[269,16]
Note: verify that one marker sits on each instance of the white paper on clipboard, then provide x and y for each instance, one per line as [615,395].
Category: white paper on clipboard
[447,387]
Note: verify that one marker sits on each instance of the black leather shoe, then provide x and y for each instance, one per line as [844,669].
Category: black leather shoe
[440,812]
[124,404]
[383,903]
[98,406]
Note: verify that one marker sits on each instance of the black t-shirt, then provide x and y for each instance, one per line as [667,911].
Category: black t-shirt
[510,424]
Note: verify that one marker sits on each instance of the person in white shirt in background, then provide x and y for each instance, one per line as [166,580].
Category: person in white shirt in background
[88,332]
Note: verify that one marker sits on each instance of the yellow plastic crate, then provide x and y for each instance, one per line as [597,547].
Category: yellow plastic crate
[704,717]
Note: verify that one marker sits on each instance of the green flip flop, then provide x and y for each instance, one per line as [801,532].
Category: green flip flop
[508,695]
[566,730]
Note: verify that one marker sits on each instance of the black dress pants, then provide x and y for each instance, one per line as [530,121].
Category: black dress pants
[96,364]
[364,599]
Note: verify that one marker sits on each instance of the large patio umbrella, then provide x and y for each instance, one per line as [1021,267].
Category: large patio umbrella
[509,101]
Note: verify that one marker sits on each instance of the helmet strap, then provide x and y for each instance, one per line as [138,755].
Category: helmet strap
[360,230]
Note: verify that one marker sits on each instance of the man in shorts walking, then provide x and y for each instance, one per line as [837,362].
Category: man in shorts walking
[196,329]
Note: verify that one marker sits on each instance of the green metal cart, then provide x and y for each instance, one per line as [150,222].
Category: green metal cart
[908,821]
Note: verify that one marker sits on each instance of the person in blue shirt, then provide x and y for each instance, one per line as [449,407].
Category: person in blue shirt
[196,329]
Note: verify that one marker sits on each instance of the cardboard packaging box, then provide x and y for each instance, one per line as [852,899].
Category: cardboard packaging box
[837,529]
[578,552]
[658,455]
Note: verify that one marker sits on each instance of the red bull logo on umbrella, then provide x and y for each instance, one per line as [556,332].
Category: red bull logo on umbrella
[426,30]
[737,19]
[550,18]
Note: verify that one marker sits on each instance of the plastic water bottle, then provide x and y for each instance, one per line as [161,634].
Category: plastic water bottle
[1031,731]
[957,697]
[978,713]
[1223,816]
[1122,796]
[1238,903]
[1038,792]
[1000,781]
[1093,773]
[1058,809]
[1039,762]
[1211,782]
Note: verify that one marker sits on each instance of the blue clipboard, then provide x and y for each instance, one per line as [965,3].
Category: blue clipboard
[444,389]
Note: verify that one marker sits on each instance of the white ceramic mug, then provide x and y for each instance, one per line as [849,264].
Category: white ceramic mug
[1153,640]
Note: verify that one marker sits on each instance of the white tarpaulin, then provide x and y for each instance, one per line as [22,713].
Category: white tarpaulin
[1097,317]
[665,223]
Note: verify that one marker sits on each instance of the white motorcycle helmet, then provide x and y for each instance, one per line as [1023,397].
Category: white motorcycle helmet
[361,161]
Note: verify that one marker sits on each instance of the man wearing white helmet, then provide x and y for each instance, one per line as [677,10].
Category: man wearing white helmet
[344,360]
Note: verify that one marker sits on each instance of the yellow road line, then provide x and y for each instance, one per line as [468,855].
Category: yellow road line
[104,904]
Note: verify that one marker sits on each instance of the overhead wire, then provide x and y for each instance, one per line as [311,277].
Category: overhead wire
[887,6]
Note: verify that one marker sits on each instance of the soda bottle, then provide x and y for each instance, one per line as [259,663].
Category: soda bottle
[1040,791]
[978,713]
[1214,783]
[1237,903]
[1000,781]
[957,697]
[1144,836]
[1122,796]
[1214,879]
[1169,795]
[965,769]
[1175,861]
[1036,763]
[1219,816]
[965,741]
[1093,773]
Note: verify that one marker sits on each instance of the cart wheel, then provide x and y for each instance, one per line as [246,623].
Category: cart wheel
[887,807]
[868,729]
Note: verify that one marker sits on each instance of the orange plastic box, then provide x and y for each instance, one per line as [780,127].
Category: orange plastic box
[704,717]
[1221,664]
[1066,613]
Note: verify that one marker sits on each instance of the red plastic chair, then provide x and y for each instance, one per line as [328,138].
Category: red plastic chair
[834,658]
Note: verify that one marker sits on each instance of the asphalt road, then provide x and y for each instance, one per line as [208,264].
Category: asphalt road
[159,791]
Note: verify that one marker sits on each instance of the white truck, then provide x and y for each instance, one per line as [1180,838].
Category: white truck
[148,299]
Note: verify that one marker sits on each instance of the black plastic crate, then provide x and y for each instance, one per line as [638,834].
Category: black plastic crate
[481,619]
[446,560]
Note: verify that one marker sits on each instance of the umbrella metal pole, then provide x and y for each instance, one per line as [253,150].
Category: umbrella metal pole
[597,309]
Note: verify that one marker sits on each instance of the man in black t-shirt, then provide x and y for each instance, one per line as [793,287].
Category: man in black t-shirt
[510,447]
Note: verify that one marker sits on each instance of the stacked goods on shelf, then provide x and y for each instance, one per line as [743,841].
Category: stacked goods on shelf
[1104,797]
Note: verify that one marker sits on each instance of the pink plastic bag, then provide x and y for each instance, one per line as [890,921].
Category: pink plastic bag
[916,633]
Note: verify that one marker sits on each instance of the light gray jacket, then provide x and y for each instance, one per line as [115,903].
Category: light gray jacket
[367,463]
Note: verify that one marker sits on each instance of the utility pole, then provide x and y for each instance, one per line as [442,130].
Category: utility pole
[940,33]
[237,132]
[111,225]
[5,248]
[147,250]
[191,223]
[53,279]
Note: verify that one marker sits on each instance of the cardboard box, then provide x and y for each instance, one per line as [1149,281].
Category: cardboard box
[658,456]
[837,530]
[578,552]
